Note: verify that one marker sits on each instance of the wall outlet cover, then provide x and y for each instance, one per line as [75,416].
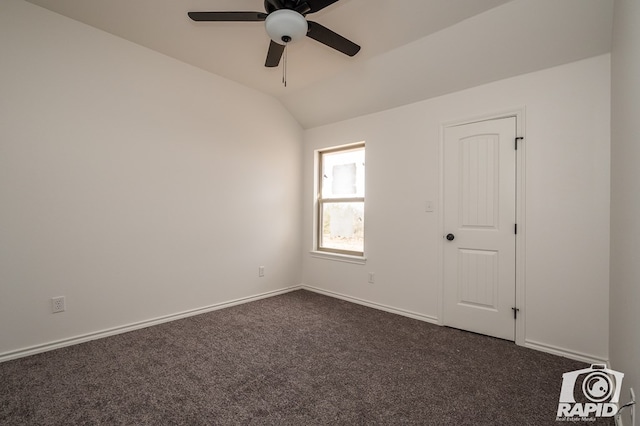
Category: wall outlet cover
[58,304]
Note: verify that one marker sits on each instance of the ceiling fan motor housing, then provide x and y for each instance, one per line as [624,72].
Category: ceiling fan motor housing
[285,26]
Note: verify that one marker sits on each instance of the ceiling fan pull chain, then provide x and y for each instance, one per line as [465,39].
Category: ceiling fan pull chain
[284,67]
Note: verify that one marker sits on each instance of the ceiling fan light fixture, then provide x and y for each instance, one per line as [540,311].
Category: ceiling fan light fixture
[285,26]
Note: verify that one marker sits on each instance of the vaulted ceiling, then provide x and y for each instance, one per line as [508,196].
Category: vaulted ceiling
[411,49]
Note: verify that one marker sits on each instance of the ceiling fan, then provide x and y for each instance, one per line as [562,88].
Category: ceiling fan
[285,22]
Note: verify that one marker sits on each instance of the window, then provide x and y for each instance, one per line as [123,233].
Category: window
[340,224]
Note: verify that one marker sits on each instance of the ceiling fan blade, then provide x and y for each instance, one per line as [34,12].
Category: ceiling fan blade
[274,54]
[271,5]
[316,5]
[325,36]
[228,16]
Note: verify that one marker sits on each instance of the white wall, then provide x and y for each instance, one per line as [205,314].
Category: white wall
[625,196]
[567,203]
[131,183]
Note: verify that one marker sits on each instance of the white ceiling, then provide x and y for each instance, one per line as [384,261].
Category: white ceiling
[411,49]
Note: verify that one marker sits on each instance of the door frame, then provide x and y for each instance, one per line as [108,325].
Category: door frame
[519,114]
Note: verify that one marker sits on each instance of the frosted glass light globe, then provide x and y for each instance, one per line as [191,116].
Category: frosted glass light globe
[285,26]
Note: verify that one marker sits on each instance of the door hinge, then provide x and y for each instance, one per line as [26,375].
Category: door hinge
[515,229]
[519,138]
[515,313]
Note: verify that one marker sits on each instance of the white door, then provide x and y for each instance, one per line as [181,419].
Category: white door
[479,227]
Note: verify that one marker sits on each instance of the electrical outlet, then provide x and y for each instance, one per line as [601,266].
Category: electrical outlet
[261,271]
[58,304]
[372,278]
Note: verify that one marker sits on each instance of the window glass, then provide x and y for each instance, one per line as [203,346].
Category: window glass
[343,173]
[343,226]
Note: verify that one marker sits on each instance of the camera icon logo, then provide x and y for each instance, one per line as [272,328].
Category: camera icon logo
[597,389]
[597,386]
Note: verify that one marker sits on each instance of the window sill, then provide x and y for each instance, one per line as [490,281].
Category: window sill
[359,260]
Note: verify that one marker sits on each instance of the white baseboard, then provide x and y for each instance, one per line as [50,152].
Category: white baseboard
[19,353]
[32,350]
[556,350]
[379,306]
[543,347]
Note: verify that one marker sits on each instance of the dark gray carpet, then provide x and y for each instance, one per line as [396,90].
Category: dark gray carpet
[296,359]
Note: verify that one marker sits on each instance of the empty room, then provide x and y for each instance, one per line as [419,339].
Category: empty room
[307,212]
